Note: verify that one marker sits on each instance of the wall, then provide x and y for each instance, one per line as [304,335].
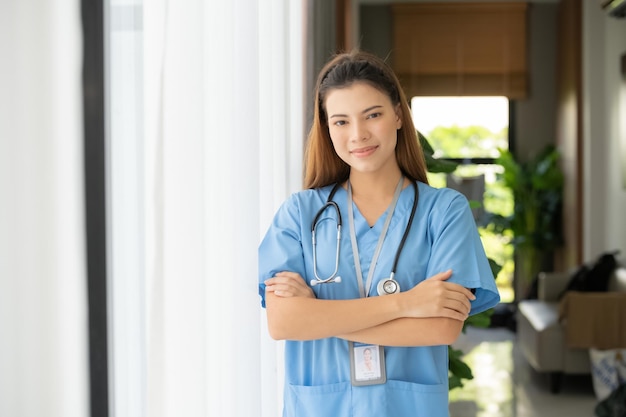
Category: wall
[535,115]
[569,126]
[604,222]
[376,23]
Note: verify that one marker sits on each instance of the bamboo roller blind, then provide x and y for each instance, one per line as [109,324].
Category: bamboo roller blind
[461,49]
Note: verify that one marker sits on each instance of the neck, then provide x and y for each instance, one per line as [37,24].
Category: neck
[374,186]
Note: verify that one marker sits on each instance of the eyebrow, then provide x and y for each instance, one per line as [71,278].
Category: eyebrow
[376,106]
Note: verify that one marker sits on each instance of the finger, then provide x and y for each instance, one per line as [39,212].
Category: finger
[288,274]
[455,315]
[441,276]
[291,281]
[452,304]
[467,293]
[283,291]
[461,305]
[461,296]
[288,288]
[284,277]
[283,280]
[452,313]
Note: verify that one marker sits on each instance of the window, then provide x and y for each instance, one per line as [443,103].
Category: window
[470,130]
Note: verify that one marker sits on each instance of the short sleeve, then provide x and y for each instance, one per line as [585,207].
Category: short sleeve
[281,247]
[457,245]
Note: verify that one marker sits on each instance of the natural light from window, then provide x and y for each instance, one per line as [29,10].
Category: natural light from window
[470,131]
[490,112]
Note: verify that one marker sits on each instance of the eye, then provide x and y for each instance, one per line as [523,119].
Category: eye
[373,115]
[339,123]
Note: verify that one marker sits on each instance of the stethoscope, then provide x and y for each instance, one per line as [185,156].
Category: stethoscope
[385,286]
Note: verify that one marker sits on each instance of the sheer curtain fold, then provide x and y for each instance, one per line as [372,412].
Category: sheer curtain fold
[43,307]
[223,129]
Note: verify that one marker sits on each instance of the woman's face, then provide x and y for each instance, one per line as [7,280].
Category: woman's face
[363,126]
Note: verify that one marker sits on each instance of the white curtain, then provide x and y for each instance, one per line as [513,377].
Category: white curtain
[43,307]
[216,145]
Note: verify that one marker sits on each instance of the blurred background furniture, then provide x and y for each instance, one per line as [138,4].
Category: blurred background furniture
[555,333]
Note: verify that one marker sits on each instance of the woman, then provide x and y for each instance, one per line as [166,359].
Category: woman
[420,266]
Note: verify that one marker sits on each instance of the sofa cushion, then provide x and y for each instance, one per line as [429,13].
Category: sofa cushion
[540,335]
[541,315]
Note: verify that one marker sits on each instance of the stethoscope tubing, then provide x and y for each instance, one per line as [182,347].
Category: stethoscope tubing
[406,231]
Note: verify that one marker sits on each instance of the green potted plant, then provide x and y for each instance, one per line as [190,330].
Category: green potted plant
[535,224]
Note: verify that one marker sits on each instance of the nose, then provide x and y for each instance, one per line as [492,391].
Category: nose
[359,131]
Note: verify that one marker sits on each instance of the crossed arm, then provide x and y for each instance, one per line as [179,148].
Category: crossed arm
[431,313]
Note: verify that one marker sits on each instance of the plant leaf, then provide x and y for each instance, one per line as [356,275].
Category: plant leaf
[435,165]
[482,320]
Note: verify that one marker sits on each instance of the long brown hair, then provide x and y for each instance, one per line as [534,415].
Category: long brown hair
[322,164]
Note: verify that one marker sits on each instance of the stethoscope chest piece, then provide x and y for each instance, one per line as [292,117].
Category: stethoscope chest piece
[388,286]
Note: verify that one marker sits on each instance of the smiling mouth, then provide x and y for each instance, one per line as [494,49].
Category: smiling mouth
[361,152]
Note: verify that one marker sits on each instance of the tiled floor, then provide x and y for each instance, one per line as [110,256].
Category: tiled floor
[505,386]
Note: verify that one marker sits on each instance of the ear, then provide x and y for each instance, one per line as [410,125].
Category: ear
[398,117]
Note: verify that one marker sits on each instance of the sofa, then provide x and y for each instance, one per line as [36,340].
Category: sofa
[556,330]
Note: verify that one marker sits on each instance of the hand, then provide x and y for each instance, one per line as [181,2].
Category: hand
[289,284]
[434,297]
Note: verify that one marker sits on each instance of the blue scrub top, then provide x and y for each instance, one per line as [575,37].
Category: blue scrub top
[443,236]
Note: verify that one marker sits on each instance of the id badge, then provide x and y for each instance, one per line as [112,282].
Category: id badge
[367,364]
